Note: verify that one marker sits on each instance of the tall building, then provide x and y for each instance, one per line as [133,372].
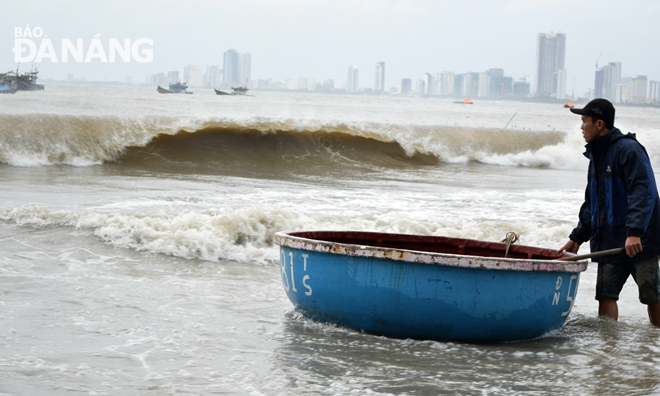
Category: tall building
[244,68]
[428,84]
[379,84]
[230,67]
[212,76]
[500,85]
[328,85]
[483,90]
[615,78]
[352,79]
[448,83]
[560,83]
[421,87]
[405,85]
[237,68]
[621,94]
[521,88]
[192,75]
[172,77]
[653,92]
[550,58]
[469,84]
[638,86]
[607,79]
[437,84]
[466,86]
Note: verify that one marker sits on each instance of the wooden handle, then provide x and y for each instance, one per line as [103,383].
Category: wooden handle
[590,255]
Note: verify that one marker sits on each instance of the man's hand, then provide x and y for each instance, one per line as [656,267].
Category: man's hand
[633,246]
[571,247]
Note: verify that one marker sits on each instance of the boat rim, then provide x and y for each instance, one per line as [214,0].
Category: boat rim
[283,238]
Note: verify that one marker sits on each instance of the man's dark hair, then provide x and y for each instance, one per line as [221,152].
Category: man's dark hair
[594,119]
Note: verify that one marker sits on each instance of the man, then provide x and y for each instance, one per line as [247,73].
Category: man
[621,209]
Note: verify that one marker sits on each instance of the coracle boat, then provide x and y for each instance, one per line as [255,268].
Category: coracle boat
[428,287]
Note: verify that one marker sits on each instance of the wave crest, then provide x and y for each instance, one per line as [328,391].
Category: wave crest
[190,144]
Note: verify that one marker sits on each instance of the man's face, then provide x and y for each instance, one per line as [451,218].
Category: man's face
[591,130]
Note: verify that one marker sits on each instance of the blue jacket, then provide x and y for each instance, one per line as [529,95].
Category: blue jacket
[621,199]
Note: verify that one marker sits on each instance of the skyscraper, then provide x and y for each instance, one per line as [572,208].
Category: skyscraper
[211,76]
[352,79]
[237,68]
[230,67]
[653,92]
[560,83]
[483,90]
[428,84]
[499,85]
[638,87]
[192,75]
[244,68]
[550,58]
[379,85]
[448,83]
[607,78]
[406,85]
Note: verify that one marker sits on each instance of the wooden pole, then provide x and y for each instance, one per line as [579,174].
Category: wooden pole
[590,255]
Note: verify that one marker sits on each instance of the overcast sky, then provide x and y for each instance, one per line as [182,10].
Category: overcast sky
[321,38]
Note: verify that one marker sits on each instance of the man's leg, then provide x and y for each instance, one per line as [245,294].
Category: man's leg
[654,314]
[647,275]
[609,282]
[608,307]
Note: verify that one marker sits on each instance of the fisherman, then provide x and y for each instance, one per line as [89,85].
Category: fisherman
[621,209]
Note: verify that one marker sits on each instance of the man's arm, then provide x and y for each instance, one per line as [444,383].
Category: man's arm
[633,245]
[641,200]
[582,232]
[570,246]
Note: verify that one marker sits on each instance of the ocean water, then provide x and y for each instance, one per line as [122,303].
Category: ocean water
[137,258]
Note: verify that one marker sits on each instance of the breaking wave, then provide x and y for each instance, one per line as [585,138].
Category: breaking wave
[176,145]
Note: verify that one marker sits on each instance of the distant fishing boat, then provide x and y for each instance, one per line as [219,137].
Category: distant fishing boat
[6,89]
[21,82]
[466,101]
[569,105]
[174,88]
[234,91]
[428,287]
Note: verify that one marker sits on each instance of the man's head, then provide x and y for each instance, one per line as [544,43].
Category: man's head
[597,118]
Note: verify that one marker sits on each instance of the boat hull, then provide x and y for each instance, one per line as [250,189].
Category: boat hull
[393,292]
[167,91]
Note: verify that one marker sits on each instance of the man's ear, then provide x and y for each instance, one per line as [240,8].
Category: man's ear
[600,124]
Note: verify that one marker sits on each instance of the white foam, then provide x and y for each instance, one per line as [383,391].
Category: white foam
[245,233]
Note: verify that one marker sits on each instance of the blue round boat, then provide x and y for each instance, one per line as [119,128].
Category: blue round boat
[428,287]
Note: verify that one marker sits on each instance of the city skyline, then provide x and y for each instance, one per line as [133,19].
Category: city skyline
[293,38]
[493,83]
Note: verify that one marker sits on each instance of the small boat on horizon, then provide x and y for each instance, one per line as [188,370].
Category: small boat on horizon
[428,287]
[466,101]
[234,91]
[174,88]
[26,81]
[569,105]
[6,89]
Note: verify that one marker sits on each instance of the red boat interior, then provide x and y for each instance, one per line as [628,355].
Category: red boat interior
[433,244]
